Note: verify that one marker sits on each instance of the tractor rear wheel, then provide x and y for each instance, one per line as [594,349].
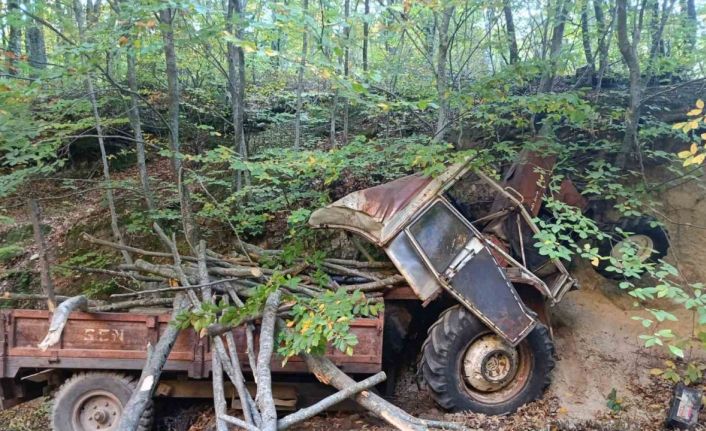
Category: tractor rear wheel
[469,367]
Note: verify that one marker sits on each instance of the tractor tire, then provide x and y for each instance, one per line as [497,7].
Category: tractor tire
[652,243]
[94,401]
[468,367]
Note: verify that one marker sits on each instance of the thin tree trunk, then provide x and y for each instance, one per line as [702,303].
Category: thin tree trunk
[300,81]
[441,59]
[236,81]
[346,64]
[166,17]
[15,39]
[366,34]
[136,125]
[586,40]
[332,130]
[35,215]
[628,51]
[81,23]
[34,41]
[547,81]
[605,36]
[692,24]
[156,358]
[511,36]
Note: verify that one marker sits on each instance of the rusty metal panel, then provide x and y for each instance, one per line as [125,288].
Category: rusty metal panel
[119,340]
[464,265]
[366,358]
[492,298]
[94,335]
[411,265]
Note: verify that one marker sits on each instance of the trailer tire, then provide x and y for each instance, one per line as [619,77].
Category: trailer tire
[104,393]
[455,346]
[651,240]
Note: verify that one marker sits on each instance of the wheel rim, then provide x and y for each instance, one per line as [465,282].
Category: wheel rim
[493,371]
[97,410]
[642,244]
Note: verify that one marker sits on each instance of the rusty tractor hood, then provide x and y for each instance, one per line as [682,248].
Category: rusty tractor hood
[379,212]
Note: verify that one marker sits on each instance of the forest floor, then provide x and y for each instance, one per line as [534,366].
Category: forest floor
[596,339]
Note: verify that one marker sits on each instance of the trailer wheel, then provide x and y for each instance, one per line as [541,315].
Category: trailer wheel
[651,243]
[467,367]
[94,402]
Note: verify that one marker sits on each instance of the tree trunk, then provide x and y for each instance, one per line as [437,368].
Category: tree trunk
[511,36]
[136,125]
[692,24]
[36,48]
[441,59]
[166,16]
[15,38]
[604,37]
[81,23]
[346,64]
[236,81]
[300,81]
[366,34]
[587,50]
[547,81]
[156,358]
[628,51]
[35,215]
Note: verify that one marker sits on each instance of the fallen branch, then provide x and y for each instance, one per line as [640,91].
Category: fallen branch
[330,401]
[375,285]
[142,396]
[173,289]
[59,319]
[149,302]
[264,399]
[326,372]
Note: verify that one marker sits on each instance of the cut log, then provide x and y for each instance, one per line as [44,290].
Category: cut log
[330,401]
[264,399]
[141,397]
[59,318]
[326,372]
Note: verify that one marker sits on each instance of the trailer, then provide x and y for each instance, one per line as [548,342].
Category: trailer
[100,355]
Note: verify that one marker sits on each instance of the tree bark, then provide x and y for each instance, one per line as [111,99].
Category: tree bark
[441,84]
[36,48]
[300,80]
[14,39]
[586,40]
[156,358]
[511,36]
[311,411]
[346,63]
[560,14]
[59,318]
[264,399]
[628,51]
[35,215]
[81,23]
[605,36]
[366,34]
[166,16]
[236,81]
